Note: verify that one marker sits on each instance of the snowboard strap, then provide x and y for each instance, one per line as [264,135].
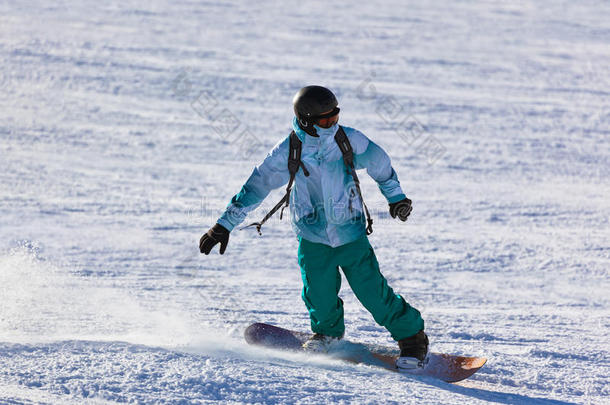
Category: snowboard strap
[294,162]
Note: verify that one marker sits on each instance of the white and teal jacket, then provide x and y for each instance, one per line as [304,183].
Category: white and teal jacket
[324,207]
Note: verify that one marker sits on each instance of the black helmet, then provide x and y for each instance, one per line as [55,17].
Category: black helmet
[311,103]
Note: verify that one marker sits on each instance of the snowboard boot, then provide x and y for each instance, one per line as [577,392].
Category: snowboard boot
[320,343]
[413,351]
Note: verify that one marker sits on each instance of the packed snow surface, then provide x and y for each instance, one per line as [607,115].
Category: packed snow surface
[127,126]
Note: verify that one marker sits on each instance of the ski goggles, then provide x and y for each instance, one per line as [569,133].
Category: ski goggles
[328,119]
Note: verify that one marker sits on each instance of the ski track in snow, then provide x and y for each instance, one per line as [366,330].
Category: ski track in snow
[127,127]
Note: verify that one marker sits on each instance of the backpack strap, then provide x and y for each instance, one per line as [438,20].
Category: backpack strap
[348,159]
[294,162]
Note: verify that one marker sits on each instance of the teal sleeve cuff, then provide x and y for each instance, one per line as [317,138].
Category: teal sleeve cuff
[391,200]
[225,223]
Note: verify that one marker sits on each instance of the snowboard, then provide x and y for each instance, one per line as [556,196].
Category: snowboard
[445,367]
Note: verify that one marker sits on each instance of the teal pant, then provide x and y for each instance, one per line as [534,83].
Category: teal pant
[322,281]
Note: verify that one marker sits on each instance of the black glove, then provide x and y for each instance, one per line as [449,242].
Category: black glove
[216,234]
[401,208]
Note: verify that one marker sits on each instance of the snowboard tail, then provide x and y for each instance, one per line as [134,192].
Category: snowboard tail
[445,367]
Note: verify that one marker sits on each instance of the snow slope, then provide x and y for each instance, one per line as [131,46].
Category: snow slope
[127,126]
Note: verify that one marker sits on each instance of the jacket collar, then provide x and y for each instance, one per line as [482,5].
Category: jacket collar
[323,133]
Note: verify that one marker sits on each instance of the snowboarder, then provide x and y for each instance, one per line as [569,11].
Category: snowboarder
[331,221]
